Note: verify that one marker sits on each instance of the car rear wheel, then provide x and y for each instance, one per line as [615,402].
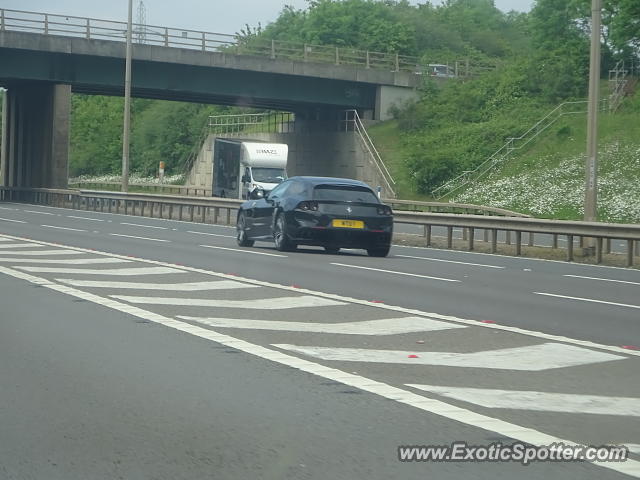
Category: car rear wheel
[332,250]
[280,237]
[241,234]
[379,251]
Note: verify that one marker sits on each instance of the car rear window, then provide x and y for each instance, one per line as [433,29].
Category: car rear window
[344,194]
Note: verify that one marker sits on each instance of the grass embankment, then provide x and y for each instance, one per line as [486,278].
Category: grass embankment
[546,178]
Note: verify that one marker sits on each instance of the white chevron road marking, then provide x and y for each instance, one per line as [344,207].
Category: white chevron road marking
[539,401]
[387,326]
[175,287]
[42,252]
[66,261]
[111,271]
[259,304]
[531,358]
[20,245]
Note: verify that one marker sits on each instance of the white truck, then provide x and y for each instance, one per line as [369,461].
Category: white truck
[247,168]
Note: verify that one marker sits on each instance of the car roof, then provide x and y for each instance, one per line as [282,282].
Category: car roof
[315,181]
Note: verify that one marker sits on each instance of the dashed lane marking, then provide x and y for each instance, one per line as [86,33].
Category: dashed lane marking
[395,272]
[243,251]
[63,228]
[450,261]
[140,238]
[591,300]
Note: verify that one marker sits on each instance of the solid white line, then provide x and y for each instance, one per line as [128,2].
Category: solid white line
[364,303]
[588,300]
[387,326]
[140,238]
[449,261]
[243,251]
[143,226]
[395,273]
[257,304]
[67,261]
[20,245]
[176,287]
[212,234]
[85,218]
[63,228]
[603,279]
[41,213]
[112,271]
[539,401]
[10,220]
[437,407]
[6,208]
[533,358]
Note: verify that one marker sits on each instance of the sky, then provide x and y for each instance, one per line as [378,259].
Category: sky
[219,16]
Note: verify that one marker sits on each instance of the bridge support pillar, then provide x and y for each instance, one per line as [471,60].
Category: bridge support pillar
[388,97]
[35,147]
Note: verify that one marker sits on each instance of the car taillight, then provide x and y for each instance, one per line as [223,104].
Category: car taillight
[308,206]
[384,210]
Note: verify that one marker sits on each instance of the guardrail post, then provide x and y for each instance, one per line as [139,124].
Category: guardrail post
[191,211]
[2,19]
[171,212]
[216,212]
[126,206]
[569,248]
[518,243]
[554,240]
[228,216]
[630,253]
[599,250]
[581,242]
[531,239]
[485,235]
[465,233]
[204,214]
[180,212]
[449,237]
[46,24]
[607,245]
[337,56]
[166,37]
[427,234]
[273,49]
[368,60]
[88,29]
[161,206]
[494,240]
[204,42]
[471,238]
[304,55]
[508,237]
[397,63]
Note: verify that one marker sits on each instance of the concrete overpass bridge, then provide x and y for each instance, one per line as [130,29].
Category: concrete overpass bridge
[44,57]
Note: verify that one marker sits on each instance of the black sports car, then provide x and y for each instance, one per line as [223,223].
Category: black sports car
[329,212]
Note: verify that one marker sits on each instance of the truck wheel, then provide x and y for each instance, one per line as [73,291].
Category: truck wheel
[280,237]
[241,234]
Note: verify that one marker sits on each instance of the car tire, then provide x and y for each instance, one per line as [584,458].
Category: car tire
[280,238]
[332,250]
[241,233]
[379,251]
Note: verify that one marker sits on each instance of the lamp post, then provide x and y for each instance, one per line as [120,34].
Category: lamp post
[127,106]
[591,170]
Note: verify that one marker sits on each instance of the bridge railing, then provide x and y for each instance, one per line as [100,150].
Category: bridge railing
[93,28]
[223,211]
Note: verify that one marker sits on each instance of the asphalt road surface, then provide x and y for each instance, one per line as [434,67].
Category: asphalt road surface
[146,348]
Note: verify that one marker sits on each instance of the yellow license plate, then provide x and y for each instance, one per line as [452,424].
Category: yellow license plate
[348,223]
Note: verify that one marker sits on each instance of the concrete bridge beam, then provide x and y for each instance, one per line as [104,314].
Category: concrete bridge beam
[36,125]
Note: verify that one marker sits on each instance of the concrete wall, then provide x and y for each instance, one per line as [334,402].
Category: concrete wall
[388,97]
[325,154]
[36,139]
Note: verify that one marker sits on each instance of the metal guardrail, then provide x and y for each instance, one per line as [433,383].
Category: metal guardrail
[213,210]
[450,207]
[151,187]
[93,28]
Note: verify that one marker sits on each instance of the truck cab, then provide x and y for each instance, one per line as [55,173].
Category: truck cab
[258,181]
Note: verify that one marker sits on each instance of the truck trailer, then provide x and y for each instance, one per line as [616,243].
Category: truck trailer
[247,168]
